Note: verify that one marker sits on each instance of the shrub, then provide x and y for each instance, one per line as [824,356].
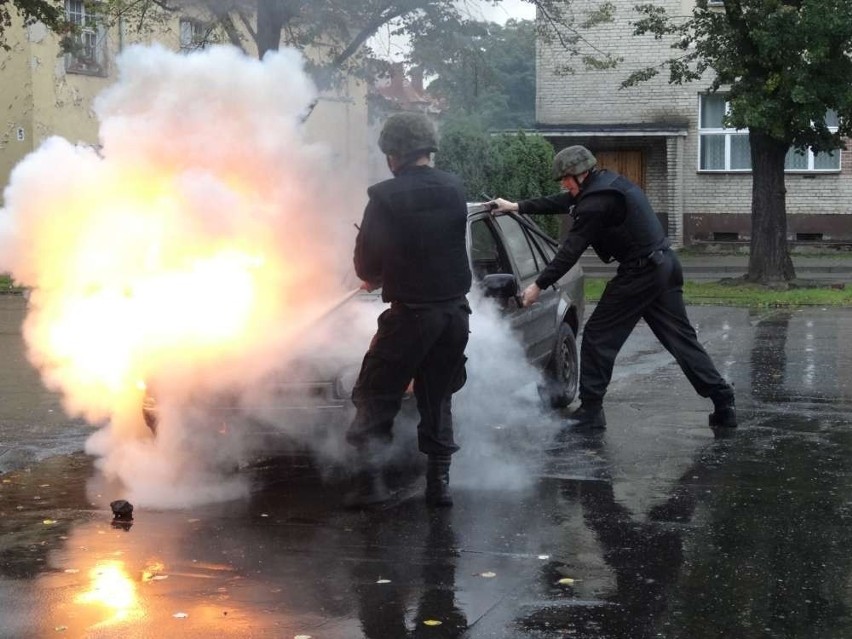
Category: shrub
[515,166]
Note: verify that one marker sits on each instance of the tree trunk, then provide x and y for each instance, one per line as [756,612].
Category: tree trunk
[769,261]
[270,21]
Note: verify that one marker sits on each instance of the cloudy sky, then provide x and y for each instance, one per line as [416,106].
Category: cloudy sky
[394,48]
[517,9]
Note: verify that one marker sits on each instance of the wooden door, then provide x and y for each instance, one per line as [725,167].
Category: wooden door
[631,164]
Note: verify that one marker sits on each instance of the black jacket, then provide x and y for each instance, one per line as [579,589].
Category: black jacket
[412,237]
[611,214]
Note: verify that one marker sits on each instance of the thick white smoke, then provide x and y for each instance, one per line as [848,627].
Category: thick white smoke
[500,419]
[193,254]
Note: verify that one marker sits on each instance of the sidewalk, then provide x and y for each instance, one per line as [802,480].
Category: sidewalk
[716,267]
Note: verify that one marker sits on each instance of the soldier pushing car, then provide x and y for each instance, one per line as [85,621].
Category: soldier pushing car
[615,218]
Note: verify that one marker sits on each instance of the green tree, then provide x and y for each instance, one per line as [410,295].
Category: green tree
[334,33]
[487,70]
[521,168]
[465,149]
[784,64]
[337,28]
[50,12]
[515,166]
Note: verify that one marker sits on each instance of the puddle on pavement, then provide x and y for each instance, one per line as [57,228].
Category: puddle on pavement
[650,530]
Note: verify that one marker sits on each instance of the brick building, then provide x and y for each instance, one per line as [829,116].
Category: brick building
[670,140]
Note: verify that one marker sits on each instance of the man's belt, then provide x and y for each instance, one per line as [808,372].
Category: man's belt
[647,259]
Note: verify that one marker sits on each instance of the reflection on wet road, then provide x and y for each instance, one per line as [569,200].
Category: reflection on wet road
[652,529]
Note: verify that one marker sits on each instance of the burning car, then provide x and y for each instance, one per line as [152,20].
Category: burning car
[507,253]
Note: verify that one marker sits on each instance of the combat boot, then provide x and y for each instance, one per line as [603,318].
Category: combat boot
[724,413]
[438,481]
[587,418]
[369,489]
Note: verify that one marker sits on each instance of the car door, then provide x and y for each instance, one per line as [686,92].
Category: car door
[488,256]
[536,323]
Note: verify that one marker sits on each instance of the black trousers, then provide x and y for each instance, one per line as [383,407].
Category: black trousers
[425,343]
[653,291]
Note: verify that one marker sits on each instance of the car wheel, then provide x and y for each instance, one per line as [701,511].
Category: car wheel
[562,373]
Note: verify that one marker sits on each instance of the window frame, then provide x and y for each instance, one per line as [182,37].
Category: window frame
[195,27]
[732,133]
[507,232]
[92,37]
[501,261]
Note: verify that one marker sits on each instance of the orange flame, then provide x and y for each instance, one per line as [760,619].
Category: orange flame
[132,290]
[177,250]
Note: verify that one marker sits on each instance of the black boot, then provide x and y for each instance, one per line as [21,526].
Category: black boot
[438,481]
[369,489]
[724,413]
[585,419]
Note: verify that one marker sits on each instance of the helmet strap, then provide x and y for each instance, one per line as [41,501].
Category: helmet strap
[589,174]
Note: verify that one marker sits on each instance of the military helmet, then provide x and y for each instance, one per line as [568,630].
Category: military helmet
[572,160]
[404,134]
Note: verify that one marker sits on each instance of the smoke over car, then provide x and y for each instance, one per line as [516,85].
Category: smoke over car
[192,252]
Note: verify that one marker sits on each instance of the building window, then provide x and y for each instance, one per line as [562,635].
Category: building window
[722,149]
[86,48]
[194,34]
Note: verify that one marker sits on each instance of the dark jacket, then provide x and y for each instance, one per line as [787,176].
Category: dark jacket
[412,237]
[611,214]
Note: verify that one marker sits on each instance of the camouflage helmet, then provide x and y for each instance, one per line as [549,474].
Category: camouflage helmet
[572,160]
[407,133]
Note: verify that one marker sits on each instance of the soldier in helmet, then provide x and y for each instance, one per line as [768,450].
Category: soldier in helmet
[411,243]
[615,218]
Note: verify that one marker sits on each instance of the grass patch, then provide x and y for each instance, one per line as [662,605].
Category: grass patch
[798,253]
[7,285]
[733,293]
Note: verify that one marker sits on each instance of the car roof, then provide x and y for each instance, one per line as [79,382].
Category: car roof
[474,208]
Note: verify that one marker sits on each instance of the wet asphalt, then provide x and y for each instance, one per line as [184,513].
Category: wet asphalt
[653,528]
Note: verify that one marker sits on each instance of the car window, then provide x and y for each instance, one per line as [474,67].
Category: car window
[546,251]
[519,246]
[486,257]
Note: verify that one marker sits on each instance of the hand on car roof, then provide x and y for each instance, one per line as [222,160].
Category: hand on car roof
[499,205]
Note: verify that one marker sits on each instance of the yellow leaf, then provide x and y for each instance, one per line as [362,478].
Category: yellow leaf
[565,581]
[431,622]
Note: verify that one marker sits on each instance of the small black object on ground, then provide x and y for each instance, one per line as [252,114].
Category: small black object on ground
[122,510]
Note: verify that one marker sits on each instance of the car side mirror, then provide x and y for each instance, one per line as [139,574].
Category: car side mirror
[500,285]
